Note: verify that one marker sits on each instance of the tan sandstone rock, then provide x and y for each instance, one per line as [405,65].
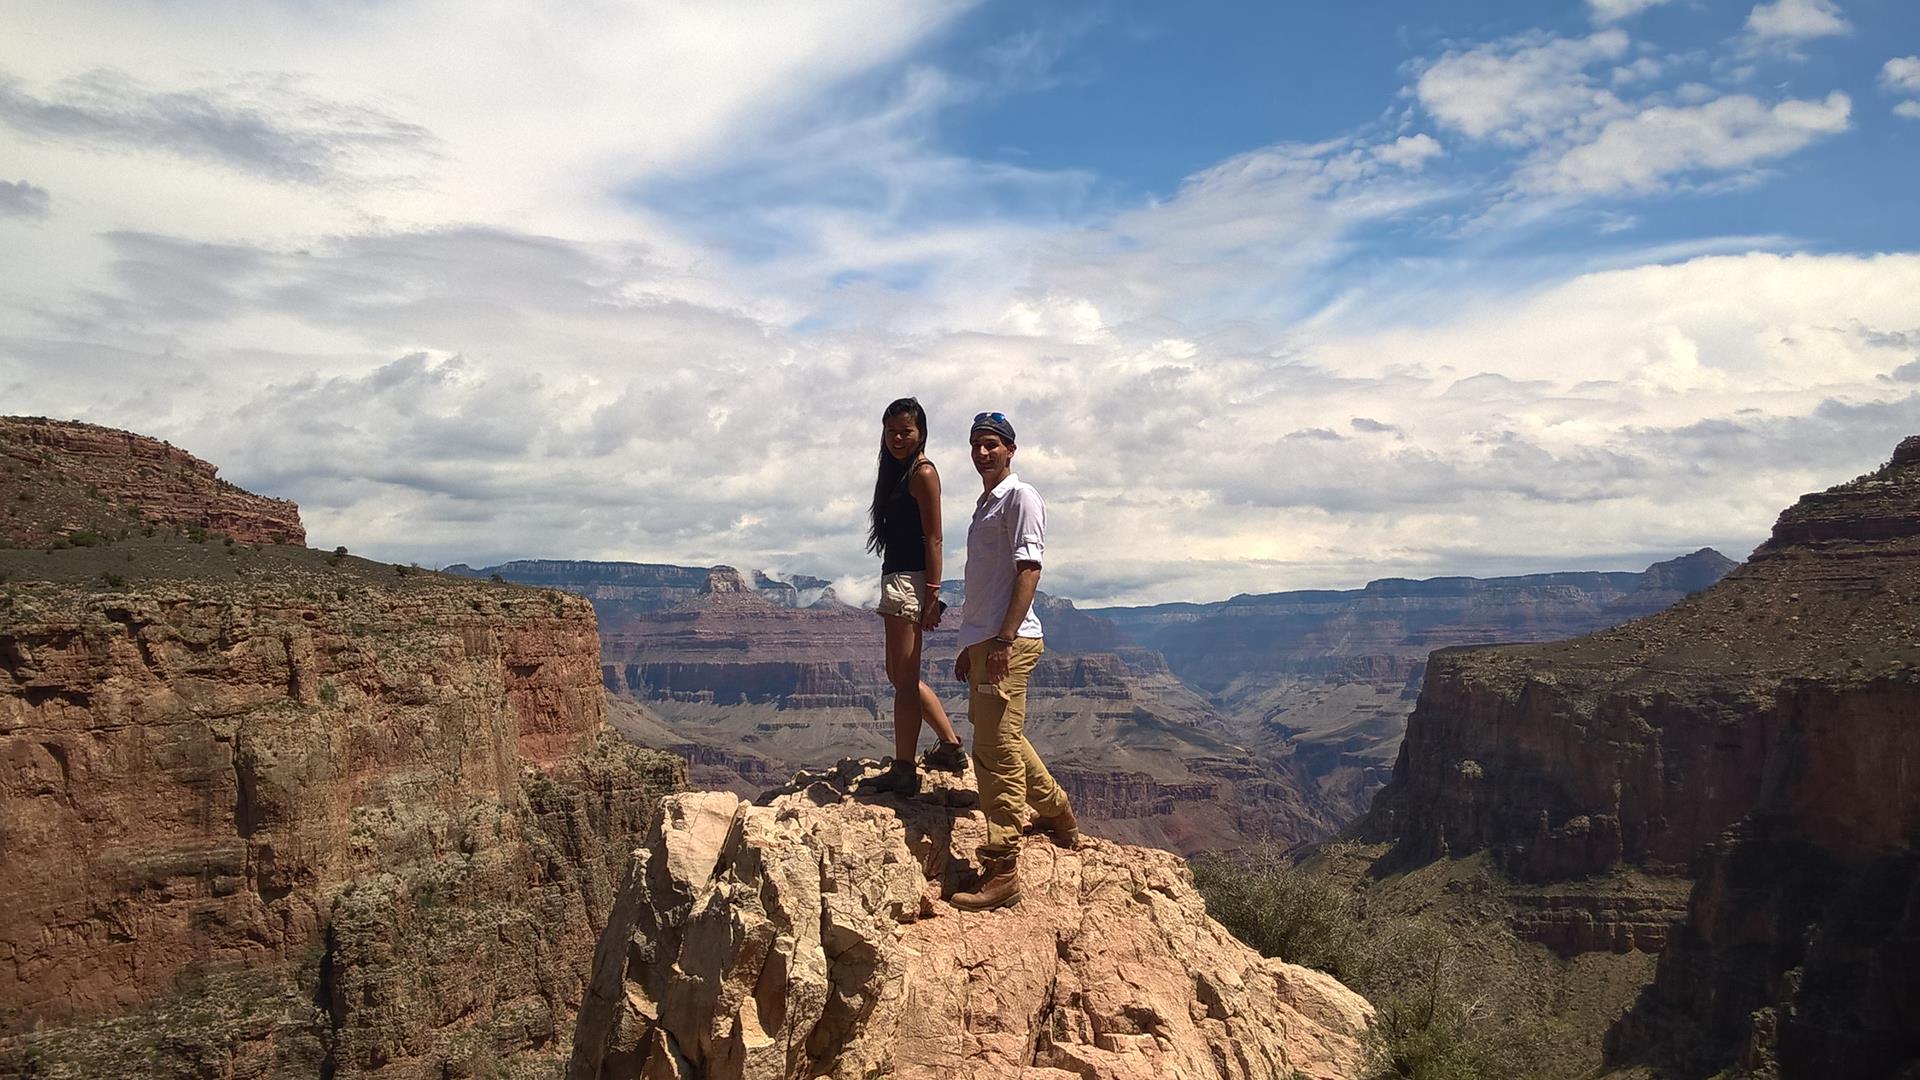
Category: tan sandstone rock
[809,938]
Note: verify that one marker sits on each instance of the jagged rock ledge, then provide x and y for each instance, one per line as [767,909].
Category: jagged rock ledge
[809,937]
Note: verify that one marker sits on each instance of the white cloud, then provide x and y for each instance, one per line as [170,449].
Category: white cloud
[1610,11]
[1796,20]
[477,395]
[1521,90]
[1644,69]
[1409,151]
[1908,109]
[1901,75]
[539,114]
[1641,152]
[19,199]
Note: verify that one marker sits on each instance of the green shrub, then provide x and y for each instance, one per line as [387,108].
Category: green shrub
[1431,992]
[1302,918]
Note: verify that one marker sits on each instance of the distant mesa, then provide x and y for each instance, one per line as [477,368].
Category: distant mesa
[62,479]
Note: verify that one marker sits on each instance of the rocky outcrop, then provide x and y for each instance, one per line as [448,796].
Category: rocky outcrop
[1761,738]
[65,479]
[810,937]
[283,814]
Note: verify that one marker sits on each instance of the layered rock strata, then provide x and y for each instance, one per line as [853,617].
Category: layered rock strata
[1760,737]
[809,937]
[59,478]
[280,814]
[732,681]
[1329,677]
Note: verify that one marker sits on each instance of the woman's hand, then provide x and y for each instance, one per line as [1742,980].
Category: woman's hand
[962,665]
[930,611]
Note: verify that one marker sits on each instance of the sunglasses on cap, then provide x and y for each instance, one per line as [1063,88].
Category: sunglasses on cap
[998,418]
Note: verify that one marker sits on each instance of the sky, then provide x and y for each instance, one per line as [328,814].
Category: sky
[1277,295]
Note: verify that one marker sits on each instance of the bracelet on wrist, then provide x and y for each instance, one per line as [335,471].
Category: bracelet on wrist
[1002,639]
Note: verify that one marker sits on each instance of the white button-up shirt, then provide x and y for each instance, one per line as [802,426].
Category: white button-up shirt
[1009,527]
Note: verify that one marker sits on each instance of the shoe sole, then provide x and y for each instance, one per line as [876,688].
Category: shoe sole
[1011,901]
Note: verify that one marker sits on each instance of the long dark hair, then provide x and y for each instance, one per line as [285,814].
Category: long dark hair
[892,469]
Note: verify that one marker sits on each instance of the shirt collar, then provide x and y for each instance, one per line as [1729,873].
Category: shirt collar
[1005,485]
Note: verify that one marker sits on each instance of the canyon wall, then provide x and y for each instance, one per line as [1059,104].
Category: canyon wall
[271,812]
[1760,739]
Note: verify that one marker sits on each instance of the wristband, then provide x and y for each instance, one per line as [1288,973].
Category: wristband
[1003,640]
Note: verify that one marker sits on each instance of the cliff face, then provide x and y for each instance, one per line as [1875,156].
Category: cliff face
[1328,677]
[1762,737]
[810,936]
[61,477]
[274,813]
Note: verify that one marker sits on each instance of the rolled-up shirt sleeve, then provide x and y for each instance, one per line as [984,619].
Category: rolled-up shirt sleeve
[1027,526]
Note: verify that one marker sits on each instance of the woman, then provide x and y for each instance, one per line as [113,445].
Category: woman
[904,530]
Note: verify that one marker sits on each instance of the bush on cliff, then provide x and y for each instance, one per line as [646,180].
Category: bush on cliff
[1434,1019]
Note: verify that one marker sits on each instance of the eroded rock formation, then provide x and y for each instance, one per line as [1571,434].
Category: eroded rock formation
[809,937]
[274,813]
[62,477]
[1328,677]
[1761,737]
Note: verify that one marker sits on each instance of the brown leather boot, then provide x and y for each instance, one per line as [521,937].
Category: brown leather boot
[999,886]
[901,778]
[1064,827]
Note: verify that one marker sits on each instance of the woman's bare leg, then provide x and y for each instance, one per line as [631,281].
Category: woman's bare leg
[903,671]
[936,715]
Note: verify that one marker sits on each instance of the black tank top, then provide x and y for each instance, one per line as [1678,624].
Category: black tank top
[903,543]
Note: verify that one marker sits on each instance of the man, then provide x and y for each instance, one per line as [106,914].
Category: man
[999,644]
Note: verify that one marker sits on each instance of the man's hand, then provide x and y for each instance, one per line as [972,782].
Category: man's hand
[997,657]
[962,665]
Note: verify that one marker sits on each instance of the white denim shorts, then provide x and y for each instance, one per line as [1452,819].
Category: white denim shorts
[900,594]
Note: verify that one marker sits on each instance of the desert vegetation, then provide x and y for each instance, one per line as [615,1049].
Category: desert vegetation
[1449,1007]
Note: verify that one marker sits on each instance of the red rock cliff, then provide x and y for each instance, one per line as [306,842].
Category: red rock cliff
[63,476]
[1764,733]
[317,817]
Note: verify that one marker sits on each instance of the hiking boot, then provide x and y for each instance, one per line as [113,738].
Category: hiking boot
[999,886]
[1063,826]
[947,757]
[901,778]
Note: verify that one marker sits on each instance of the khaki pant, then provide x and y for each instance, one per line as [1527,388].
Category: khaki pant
[1012,777]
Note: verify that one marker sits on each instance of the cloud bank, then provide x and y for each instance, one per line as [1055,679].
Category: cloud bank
[636,286]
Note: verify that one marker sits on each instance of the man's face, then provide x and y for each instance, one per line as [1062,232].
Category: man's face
[991,454]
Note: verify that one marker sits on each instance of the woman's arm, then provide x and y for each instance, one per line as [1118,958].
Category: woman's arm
[925,486]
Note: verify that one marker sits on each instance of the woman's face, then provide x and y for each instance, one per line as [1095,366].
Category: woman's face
[901,436]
